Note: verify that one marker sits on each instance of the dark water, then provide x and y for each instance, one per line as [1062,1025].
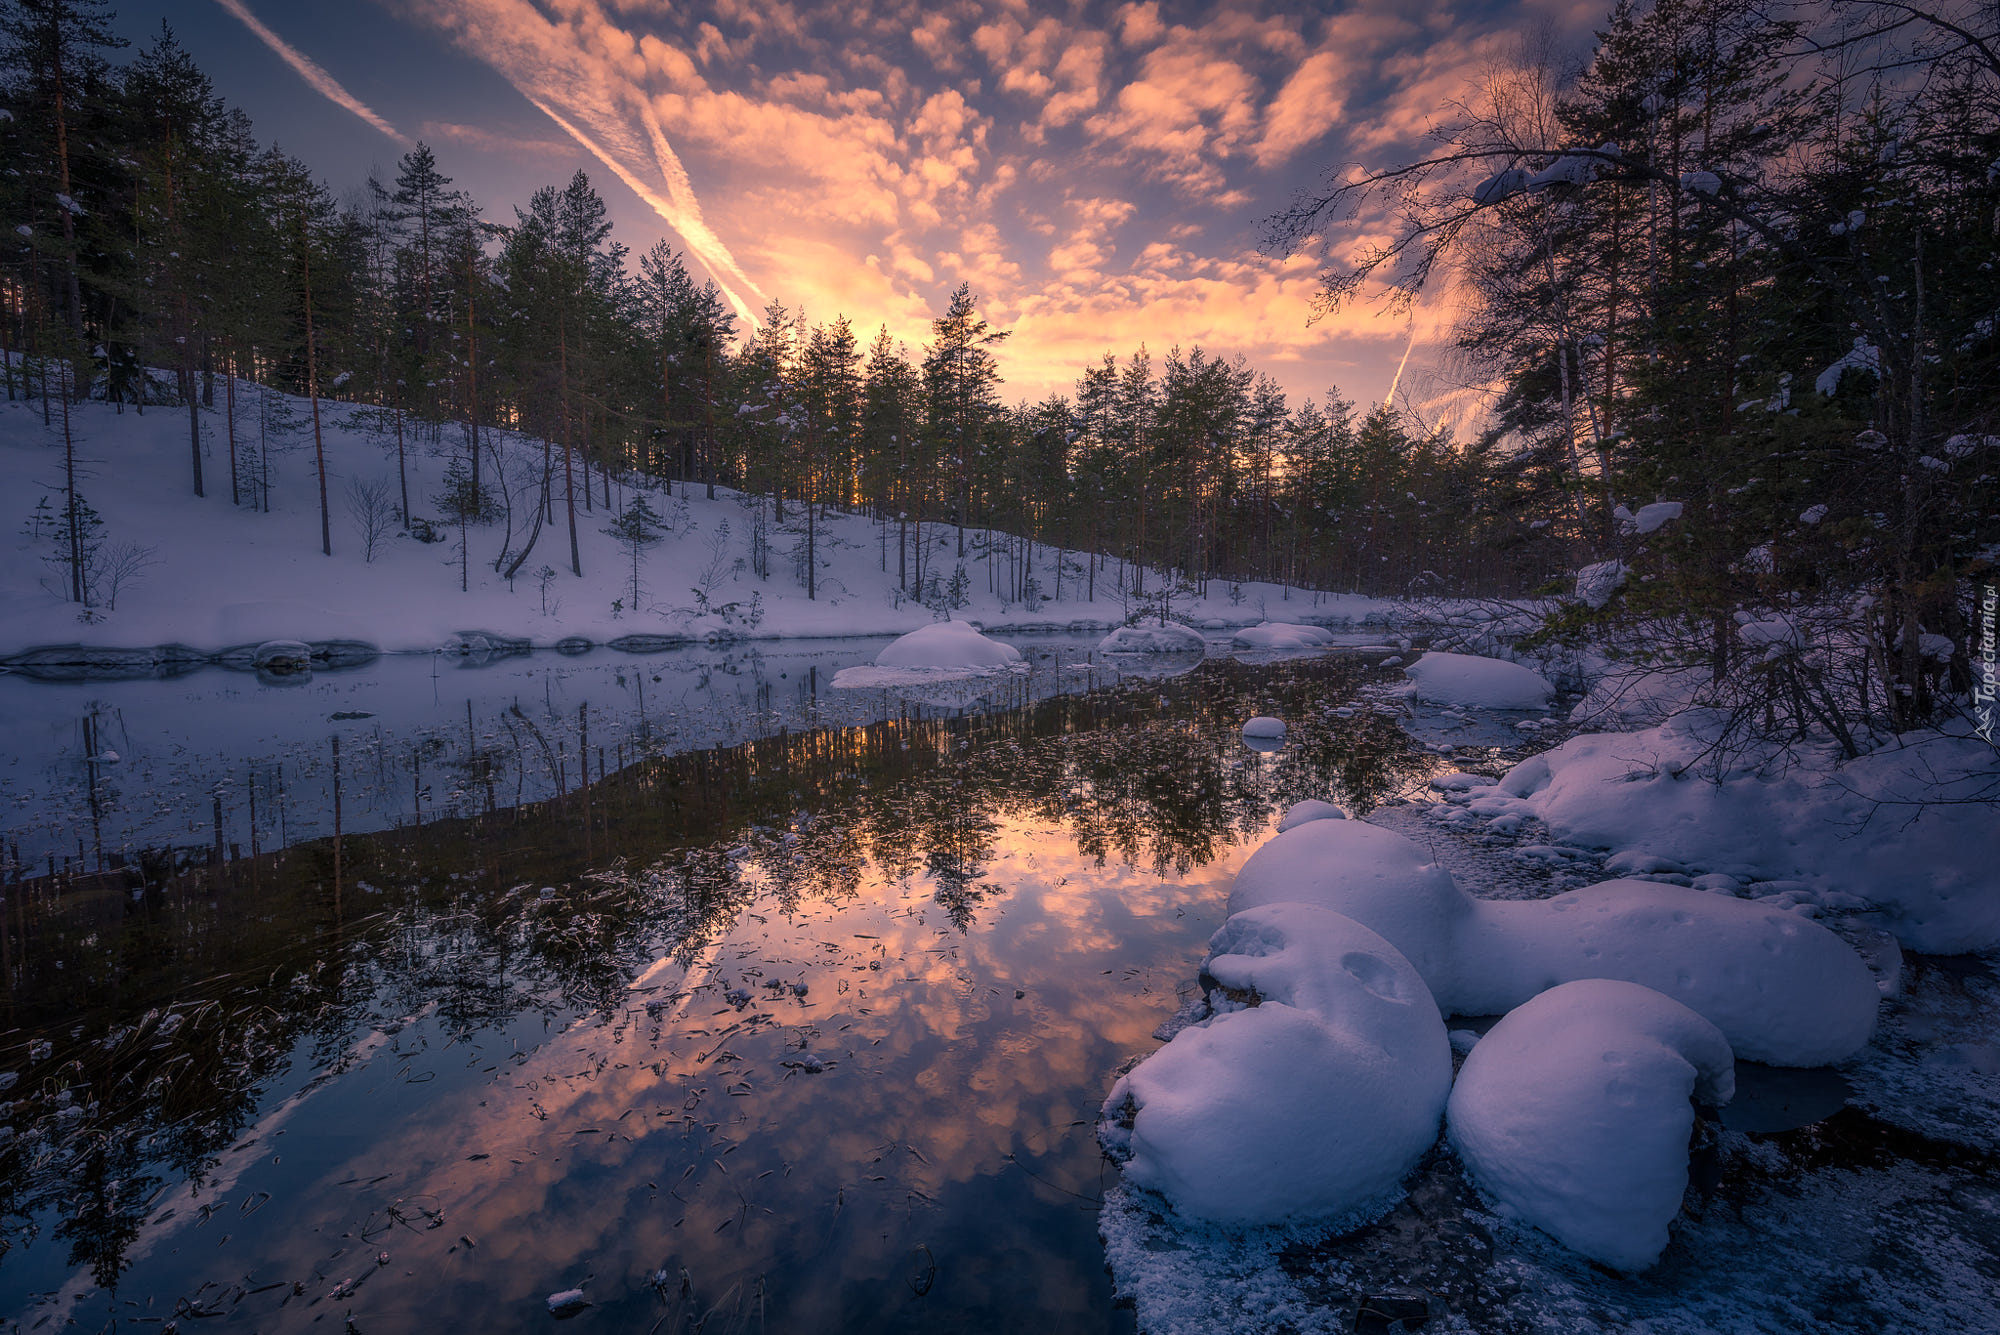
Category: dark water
[472,1052]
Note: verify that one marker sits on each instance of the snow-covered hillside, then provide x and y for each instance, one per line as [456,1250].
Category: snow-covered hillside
[221,575]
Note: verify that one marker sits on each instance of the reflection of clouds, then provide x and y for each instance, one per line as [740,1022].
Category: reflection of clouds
[939,1074]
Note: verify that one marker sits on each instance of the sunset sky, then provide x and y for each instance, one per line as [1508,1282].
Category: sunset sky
[1096,171]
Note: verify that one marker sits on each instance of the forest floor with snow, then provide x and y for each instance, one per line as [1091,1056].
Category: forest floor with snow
[215,574]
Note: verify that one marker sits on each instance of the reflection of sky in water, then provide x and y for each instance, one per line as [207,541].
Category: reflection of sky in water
[423,737]
[539,1126]
[952,1116]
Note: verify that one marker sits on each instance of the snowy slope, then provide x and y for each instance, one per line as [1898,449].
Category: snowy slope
[226,575]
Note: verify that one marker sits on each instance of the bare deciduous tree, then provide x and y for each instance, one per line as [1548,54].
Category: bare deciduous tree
[120,564]
[373,510]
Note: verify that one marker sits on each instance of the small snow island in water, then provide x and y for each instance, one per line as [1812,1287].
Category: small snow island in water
[943,649]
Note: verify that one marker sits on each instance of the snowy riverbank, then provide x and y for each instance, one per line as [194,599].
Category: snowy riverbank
[214,575]
[1815,1199]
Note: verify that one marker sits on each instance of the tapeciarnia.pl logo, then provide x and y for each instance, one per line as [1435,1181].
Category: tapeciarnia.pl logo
[1984,690]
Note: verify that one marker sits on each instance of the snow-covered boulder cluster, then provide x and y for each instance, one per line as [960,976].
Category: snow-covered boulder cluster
[1169,638]
[1621,1000]
[1281,635]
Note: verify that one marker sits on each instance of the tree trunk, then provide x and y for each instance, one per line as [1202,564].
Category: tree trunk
[312,393]
[229,417]
[569,468]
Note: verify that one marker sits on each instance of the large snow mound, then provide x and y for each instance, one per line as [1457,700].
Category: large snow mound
[1481,683]
[946,644]
[1311,1105]
[1901,829]
[1171,638]
[1573,1113]
[1281,635]
[1782,988]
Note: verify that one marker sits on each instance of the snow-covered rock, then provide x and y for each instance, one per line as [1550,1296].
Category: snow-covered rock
[1375,876]
[1784,989]
[1281,635]
[1172,638]
[1483,683]
[1309,810]
[282,656]
[946,644]
[1264,726]
[1573,1113]
[1312,1104]
[568,1302]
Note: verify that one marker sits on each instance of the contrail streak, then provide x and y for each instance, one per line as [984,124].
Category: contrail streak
[598,104]
[310,71]
[1407,347]
[694,231]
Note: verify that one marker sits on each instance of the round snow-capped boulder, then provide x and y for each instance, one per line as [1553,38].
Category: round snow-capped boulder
[282,656]
[946,644]
[1281,635]
[1330,965]
[1264,735]
[1171,638]
[1781,988]
[1310,1105]
[1309,810]
[1573,1114]
[1481,683]
[1375,876]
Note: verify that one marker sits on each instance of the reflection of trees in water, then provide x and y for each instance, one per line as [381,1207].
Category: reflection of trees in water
[942,826]
[1155,775]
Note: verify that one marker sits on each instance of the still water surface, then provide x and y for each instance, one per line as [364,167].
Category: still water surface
[750,1006]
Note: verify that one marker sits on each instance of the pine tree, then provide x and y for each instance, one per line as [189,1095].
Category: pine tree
[180,117]
[54,44]
[636,529]
[961,386]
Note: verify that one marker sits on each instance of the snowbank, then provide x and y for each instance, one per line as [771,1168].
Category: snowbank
[1469,681]
[946,644]
[1847,837]
[1782,988]
[1171,638]
[1310,1105]
[1573,1114]
[1281,635]
[233,574]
